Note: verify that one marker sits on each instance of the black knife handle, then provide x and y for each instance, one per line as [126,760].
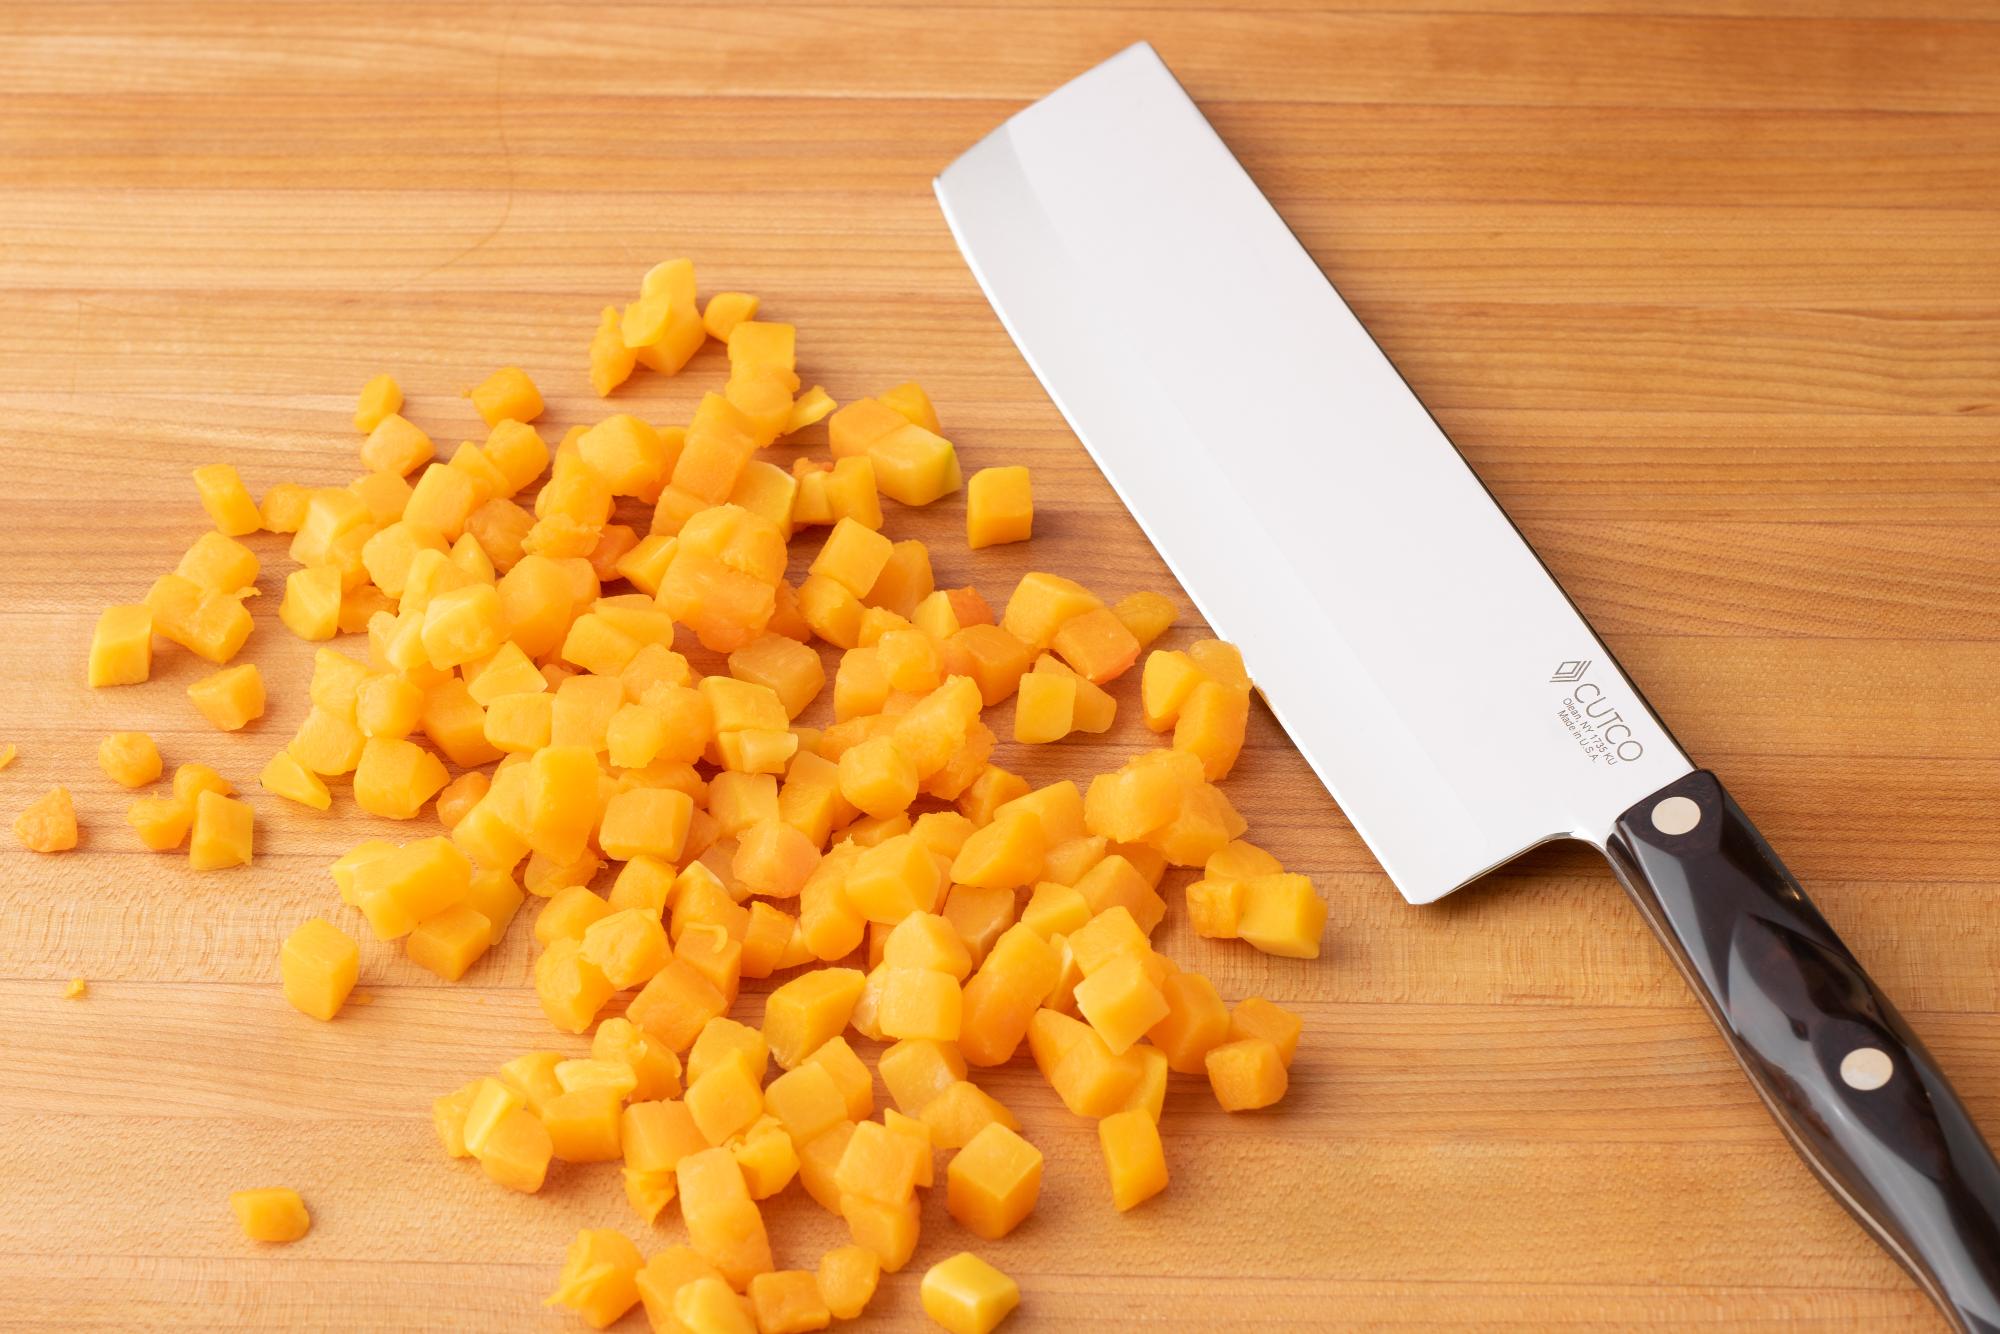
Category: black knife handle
[1855,1091]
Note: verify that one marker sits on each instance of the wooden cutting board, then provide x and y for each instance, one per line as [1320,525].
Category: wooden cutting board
[1707,298]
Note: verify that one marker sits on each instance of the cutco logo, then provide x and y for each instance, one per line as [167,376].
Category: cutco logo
[1592,718]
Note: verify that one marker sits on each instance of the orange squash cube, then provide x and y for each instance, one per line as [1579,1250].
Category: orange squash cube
[395,778]
[725,1099]
[966,1295]
[1283,915]
[1215,908]
[888,1229]
[819,1159]
[804,1013]
[918,1003]
[1133,1157]
[221,836]
[675,1003]
[850,1076]
[628,946]
[1246,1074]
[319,964]
[905,579]
[1196,1022]
[228,504]
[275,1214]
[881,1165]
[598,1276]
[1001,999]
[1256,1017]
[571,989]
[789,1301]
[847,1279]
[662,1279]
[1114,882]
[1211,726]
[1121,1001]
[1090,1078]
[958,1114]
[723,1223]
[379,397]
[583,1124]
[1096,644]
[121,646]
[993,1183]
[707,1306]
[451,942]
[999,507]
[1004,854]
[806,1101]
[651,822]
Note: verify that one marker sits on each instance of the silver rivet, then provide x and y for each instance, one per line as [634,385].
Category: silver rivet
[1676,815]
[1866,1068]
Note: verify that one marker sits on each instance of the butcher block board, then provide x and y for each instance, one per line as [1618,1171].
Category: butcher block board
[1707,298]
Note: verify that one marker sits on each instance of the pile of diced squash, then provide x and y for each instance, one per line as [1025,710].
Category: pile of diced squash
[562,692]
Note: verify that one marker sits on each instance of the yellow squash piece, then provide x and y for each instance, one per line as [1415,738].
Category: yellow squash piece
[129,759]
[966,1295]
[274,1214]
[49,825]
[232,698]
[121,647]
[319,964]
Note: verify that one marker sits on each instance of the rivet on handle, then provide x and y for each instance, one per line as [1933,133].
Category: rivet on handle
[1866,1068]
[1676,815]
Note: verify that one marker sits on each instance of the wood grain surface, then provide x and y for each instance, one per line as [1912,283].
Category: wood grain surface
[1705,289]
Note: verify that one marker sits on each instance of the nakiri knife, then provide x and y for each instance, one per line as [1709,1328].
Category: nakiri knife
[1454,701]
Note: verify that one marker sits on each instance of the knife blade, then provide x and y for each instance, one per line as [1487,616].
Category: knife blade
[1451,698]
[1455,702]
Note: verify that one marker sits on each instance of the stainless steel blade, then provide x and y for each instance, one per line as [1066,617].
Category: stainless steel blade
[1437,679]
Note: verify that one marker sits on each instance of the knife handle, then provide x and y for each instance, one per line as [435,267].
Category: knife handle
[1854,1090]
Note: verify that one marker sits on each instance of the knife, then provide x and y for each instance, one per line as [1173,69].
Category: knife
[1438,680]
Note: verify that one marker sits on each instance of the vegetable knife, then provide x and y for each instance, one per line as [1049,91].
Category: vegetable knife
[1452,698]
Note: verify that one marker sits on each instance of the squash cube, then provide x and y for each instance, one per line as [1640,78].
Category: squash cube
[1283,915]
[516,1151]
[628,947]
[395,778]
[1211,726]
[674,1005]
[319,964]
[121,647]
[1146,615]
[570,988]
[888,1229]
[917,1071]
[881,1165]
[650,822]
[598,1274]
[707,1306]
[1040,606]
[129,759]
[394,444]
[961,1112]
[1215,908]
[968,1296]
[507,395]
[1096,644]
[993,1182]
[583,1124]
[1121,1001]
[228,504]
[1246,1074]
[451,942]
[1255,1017]
[722,1220]
[790,670]
[1196,1022]
[806,1012]
[1004,854]
[725,1098]
[999,507]
[787,1302]
[1133,1157]
[806,1101]
[273,1214]
[222,836]
[847,1279]
[919,1003]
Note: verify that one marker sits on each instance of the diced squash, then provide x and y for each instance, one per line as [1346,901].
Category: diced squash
[789,1301]
[273,1215]
[121,647]
[966,1295]
[129,759]
[1133,1157]
[1282,914]
[1255,1017]
[506,395]
[517,1151]
[993,1182]
[219,564]
[675,1004]
[226,499]
[451,942]
[395,778]
[887,1228]
[599,1274]
[222,833]
[804,1013]
[1196,1022]
[723,1223]
[319,964]
[999,507]
[1246,1074]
